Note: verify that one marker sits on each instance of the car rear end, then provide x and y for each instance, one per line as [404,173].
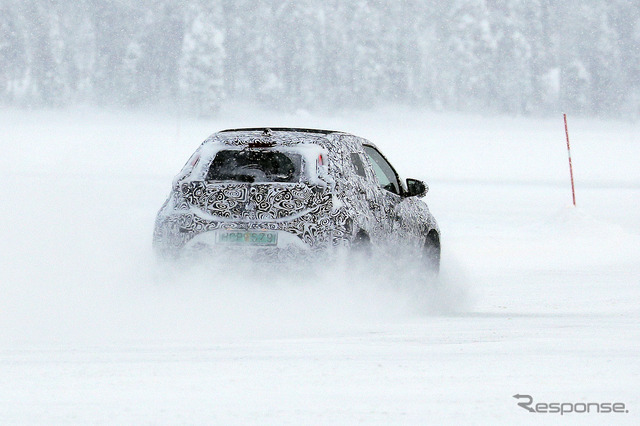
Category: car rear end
[261,195]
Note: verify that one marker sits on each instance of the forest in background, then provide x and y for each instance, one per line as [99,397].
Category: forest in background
[503,56]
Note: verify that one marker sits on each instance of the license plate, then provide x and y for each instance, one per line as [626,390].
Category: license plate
[248,238]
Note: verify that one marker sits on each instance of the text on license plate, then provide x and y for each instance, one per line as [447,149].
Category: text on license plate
[248,238]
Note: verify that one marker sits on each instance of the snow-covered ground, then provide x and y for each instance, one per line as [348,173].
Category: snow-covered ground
[536,297]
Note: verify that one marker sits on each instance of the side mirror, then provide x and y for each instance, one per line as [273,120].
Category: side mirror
[416,188]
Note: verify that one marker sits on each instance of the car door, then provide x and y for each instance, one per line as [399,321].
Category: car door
[389,194]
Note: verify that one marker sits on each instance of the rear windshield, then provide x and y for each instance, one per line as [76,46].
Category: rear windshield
[255,166]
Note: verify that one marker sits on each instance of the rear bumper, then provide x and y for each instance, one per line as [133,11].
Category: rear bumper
[177,236]
[288,247]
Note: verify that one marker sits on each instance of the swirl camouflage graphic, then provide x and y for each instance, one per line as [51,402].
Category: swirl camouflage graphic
[338,199]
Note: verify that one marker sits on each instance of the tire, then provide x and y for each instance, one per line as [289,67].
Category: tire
[361,245]
[431,253]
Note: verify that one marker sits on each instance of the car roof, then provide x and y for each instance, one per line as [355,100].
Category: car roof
[281,129]
[285,136]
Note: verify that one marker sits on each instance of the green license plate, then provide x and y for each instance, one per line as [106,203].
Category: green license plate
[249,238]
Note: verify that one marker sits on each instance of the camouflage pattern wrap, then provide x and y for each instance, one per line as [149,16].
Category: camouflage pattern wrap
[325,209]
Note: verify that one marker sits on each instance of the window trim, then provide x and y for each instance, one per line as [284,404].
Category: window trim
[400,186]
[359,168]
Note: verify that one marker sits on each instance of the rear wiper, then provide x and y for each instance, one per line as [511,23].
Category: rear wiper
[244,178]
[236,178]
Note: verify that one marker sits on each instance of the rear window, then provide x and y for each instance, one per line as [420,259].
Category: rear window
[255,166]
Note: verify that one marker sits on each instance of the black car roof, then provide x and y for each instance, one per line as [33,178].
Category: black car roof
[281,129]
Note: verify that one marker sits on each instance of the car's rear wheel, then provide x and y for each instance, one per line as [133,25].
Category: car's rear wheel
[431,252]
[361,245]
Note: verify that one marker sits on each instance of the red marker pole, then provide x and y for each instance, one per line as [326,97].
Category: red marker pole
[573,189]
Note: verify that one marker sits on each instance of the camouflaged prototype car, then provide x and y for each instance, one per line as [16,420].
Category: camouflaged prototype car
[282,193]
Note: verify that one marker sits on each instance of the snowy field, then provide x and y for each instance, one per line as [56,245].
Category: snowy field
[536,297]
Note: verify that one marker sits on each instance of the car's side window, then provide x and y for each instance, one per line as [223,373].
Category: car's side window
[357,164]
[385,174]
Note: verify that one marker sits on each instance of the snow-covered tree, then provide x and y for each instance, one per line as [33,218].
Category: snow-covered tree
[512,82]
[132,88]
[46,80]
[115,25]
[470,52]
[12,53]
[202,61]
[296,31]
[514,56]
[367,61]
